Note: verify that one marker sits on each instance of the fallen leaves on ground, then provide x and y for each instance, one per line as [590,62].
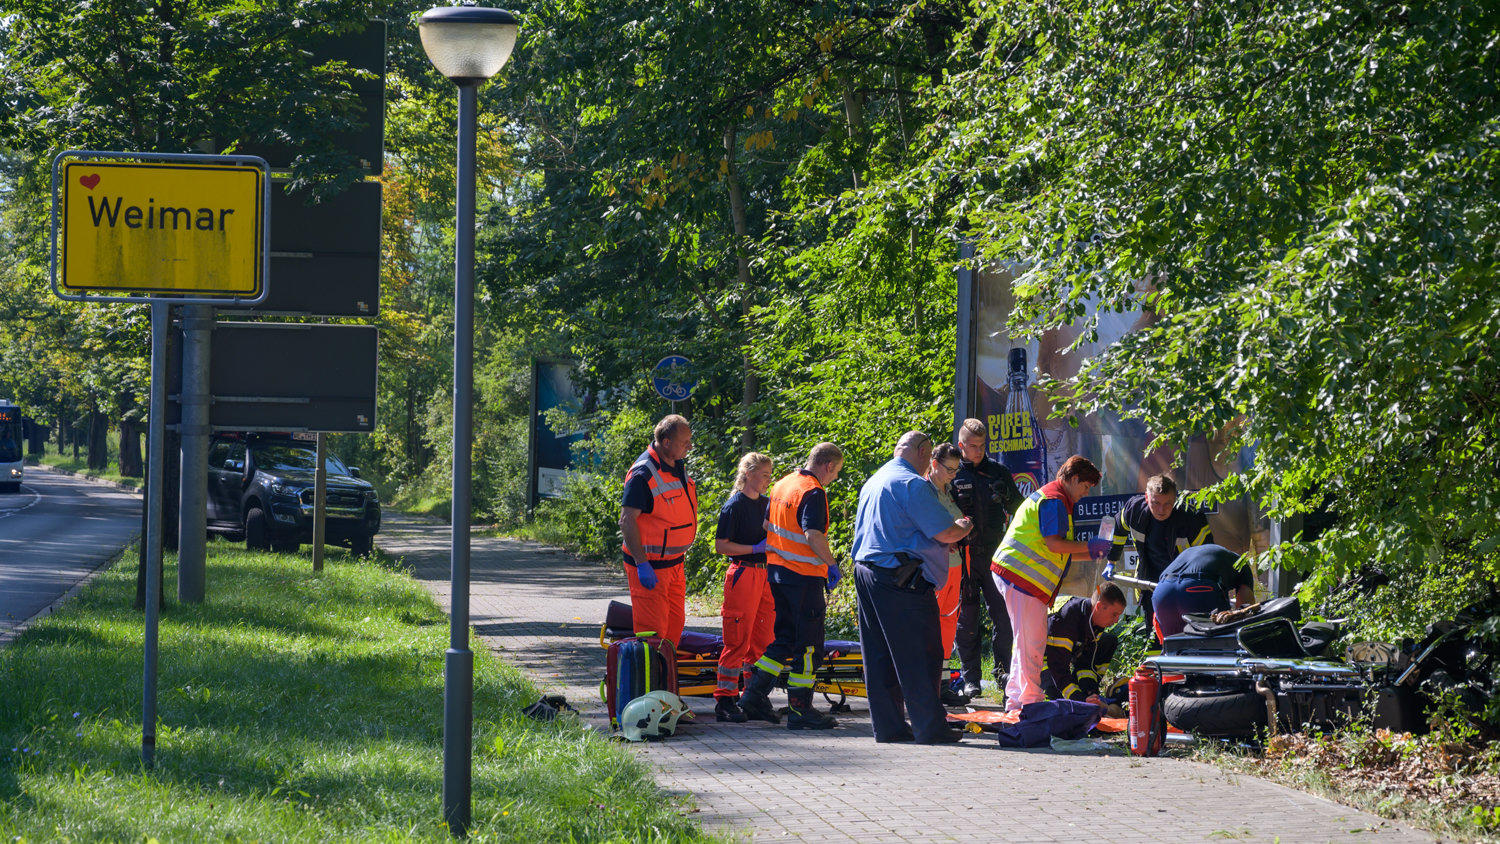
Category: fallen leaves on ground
[1434,769]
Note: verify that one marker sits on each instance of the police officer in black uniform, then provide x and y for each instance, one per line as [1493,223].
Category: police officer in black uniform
[986,492]
[1160,531]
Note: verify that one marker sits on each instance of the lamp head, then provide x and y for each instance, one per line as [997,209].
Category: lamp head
[468,44]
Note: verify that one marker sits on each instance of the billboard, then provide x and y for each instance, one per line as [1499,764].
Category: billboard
[552,451]
[1024,436]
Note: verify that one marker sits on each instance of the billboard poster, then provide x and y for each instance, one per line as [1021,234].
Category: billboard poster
[1032,445]
[552,451]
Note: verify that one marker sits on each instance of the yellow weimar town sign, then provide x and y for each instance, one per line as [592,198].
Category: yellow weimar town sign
[148,226]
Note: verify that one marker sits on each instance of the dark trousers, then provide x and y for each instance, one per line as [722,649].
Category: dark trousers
[1148,607]
[903,652]
[979,596]
[1176,597]
[800,610]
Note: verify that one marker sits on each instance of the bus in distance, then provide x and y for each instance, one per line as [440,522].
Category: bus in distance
[11,470]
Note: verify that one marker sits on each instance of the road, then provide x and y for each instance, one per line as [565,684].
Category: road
[54,533]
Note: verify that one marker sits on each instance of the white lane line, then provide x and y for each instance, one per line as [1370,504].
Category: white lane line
[35,497]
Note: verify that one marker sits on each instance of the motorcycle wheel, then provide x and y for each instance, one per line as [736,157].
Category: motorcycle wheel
[1217,713]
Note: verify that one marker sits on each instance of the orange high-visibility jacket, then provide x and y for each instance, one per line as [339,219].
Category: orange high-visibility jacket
[786,543]
[667,532]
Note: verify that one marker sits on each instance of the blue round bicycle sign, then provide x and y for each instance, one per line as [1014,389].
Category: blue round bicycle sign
[673,378]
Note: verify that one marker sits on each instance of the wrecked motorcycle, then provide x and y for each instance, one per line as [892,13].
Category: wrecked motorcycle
[1268,672]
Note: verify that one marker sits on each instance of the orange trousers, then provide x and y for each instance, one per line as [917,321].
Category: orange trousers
[661,611]
[749,625]
[947,601]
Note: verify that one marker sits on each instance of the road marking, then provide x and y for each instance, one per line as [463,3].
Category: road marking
[35,497]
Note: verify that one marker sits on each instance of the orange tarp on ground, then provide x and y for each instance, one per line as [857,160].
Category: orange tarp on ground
[995,716]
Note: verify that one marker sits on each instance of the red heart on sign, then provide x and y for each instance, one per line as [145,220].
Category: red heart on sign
[89,181]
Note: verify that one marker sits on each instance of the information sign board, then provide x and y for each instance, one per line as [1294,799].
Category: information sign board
[140,226]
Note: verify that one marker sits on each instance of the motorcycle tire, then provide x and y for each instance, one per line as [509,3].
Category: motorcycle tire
[1217,713]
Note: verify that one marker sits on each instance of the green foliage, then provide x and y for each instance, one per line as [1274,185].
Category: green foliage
[295,706]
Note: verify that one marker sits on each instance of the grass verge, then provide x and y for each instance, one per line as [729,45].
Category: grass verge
[80,466]
[293,706]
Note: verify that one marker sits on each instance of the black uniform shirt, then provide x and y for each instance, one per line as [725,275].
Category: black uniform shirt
[743,519]
[986,493]
[1213,563]
[1157,543]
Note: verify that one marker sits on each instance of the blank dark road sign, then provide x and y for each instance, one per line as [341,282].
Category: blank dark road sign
[290,377]
[325,256]
[363,50]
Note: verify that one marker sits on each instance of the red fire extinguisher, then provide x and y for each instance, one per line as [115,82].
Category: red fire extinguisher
[1148,727]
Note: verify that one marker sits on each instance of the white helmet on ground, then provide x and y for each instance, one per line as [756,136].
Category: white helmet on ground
[676,707]
[644,718]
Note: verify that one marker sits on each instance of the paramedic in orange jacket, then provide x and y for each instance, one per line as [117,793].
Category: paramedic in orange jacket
[749,612]
[658,520]
[801,567]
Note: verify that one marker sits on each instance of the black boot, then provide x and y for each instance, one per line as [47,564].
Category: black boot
[804,716]
[725,709]
[947,694]
[755,703]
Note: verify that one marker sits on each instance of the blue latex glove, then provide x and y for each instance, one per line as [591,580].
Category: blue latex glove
[647,575]
[1099,548]
[833,576]
[1109,570]
[759,547]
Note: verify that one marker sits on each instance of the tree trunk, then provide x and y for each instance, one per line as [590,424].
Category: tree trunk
[98,443]
[411,424]
[742,264]
[130,449]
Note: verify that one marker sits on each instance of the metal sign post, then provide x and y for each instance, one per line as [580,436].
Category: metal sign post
[155,438]
[164,229]
[320,502]
[192,514]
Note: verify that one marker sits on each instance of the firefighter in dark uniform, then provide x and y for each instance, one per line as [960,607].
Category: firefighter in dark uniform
[1160,531]
[1079,647]
[984,491]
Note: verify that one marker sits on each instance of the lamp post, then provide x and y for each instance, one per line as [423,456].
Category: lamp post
[467,44]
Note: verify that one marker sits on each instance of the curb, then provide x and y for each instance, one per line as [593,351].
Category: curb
[43,467]
[15,632]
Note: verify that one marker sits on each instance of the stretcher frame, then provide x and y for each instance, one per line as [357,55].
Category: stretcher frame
[840,677]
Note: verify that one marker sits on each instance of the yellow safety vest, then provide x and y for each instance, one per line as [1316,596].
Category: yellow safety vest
[1023,558]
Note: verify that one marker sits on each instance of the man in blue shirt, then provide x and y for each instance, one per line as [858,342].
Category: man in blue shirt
[901,534]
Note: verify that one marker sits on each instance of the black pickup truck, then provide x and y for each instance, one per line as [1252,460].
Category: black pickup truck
[260,489]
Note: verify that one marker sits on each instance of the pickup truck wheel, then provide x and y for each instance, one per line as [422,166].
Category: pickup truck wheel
[257,534]
[1218,713]
[362,544]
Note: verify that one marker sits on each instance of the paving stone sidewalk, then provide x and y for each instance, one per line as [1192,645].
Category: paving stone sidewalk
[541,608]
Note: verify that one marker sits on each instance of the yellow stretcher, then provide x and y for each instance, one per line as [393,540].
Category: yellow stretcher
[841,676]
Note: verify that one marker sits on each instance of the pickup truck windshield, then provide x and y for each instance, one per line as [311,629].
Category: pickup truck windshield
[284,458]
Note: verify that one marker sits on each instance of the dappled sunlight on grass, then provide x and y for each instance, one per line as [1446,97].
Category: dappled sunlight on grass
[293,706]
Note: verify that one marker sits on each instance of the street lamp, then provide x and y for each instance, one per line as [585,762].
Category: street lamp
[467,44]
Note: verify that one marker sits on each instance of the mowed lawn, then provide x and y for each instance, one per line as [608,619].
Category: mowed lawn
[293,707]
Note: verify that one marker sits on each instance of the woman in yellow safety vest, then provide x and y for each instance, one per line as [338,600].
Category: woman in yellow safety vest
[1029,565]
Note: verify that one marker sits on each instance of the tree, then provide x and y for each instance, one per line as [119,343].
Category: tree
[1311,191]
